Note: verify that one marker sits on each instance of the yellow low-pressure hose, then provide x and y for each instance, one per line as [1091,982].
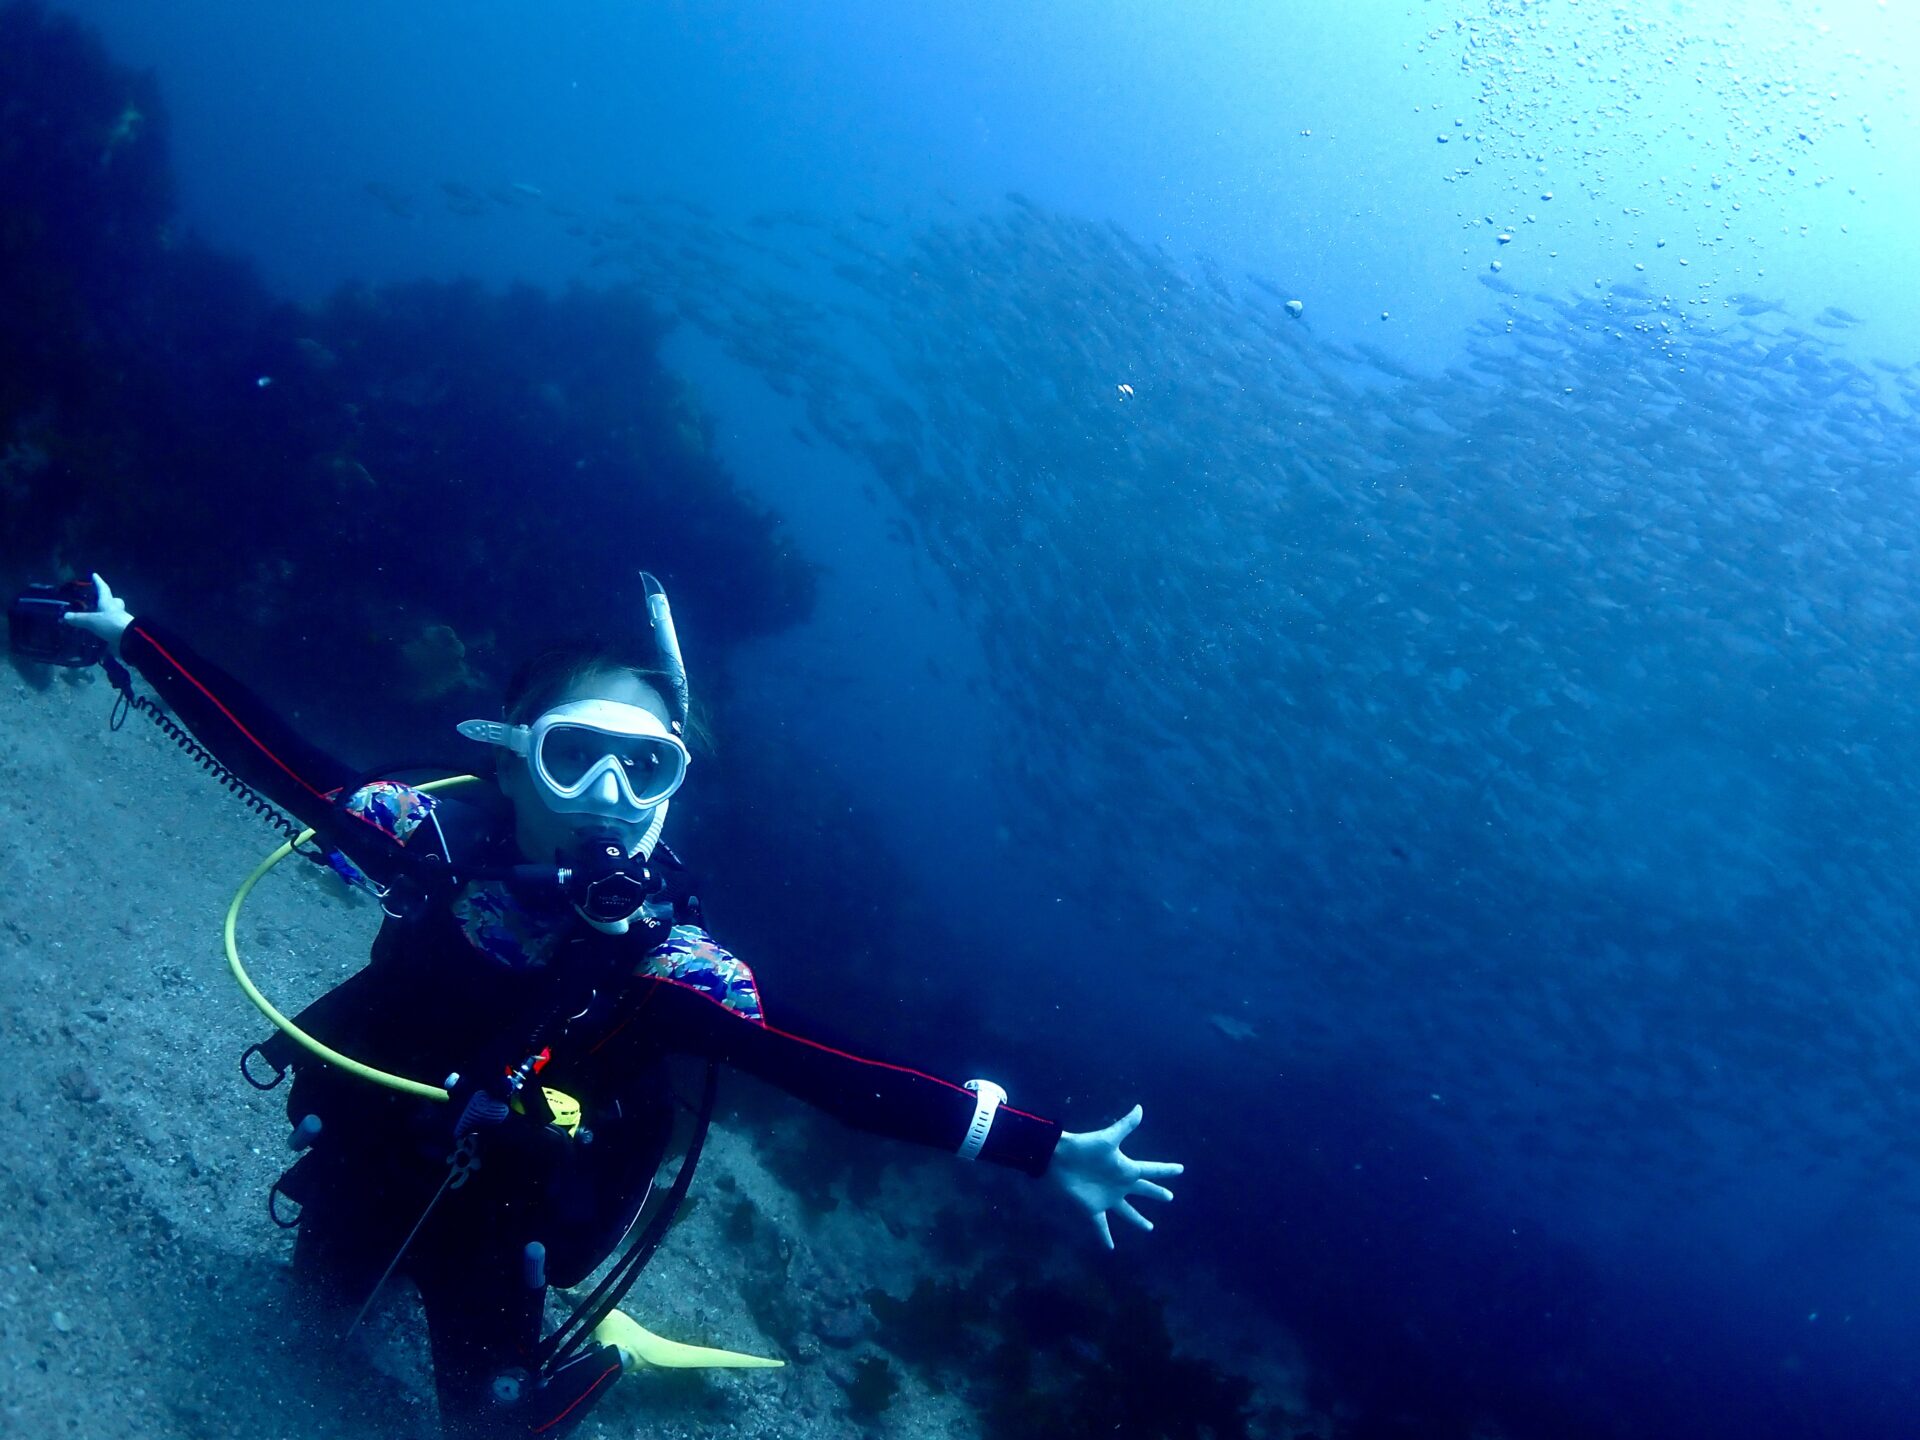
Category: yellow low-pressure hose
[266,1007]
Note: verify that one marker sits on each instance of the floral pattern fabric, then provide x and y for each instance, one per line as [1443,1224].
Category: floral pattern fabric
[501,925]
[523,936]
[391,807]
[690,956]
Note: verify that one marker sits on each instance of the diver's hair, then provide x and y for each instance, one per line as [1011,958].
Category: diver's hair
[544,680]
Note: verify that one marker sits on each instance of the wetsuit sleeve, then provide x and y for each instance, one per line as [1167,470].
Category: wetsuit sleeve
[248,738]
[692,1013]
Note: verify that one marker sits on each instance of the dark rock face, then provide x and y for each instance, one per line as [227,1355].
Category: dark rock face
[422,482]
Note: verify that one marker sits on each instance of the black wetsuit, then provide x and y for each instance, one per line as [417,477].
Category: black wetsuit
[432,1000]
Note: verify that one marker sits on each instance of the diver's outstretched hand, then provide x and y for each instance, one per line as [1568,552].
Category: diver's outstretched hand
[1095,1172]
[108,619]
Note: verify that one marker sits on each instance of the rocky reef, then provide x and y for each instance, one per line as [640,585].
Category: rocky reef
[416,483]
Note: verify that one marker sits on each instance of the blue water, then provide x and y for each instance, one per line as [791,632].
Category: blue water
[1449,755]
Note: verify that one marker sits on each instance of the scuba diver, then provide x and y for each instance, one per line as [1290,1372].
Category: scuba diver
[544,953]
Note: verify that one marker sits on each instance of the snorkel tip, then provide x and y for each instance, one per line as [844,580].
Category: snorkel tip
[667,643]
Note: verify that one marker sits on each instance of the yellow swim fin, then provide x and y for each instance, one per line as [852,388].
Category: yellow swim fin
[640,1346]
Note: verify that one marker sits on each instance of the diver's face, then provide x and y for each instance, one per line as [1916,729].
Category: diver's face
[543,833]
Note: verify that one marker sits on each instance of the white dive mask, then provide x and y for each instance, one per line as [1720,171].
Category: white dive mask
[603,758]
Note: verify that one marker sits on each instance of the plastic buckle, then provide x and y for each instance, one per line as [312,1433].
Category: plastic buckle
[246,1056]
[464,1160]
[274,1195]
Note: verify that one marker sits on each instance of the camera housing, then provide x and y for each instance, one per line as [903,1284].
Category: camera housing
[37,628]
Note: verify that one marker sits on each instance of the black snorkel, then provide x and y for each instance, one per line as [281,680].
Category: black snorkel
[666,642]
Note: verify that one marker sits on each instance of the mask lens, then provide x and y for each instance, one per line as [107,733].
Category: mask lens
[569,751]
[653,767]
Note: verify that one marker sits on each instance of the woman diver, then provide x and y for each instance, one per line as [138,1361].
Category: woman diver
[544,953]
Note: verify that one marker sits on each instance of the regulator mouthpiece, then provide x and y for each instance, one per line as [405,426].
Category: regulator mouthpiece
[608,887]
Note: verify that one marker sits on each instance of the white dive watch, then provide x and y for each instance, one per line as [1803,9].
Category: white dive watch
[987,1098]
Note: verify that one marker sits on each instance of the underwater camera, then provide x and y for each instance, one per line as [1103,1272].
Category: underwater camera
[37,628]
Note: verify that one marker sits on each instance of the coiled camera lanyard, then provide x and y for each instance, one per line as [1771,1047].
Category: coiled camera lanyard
[122,681]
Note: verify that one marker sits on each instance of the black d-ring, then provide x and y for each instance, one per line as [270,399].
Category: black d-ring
[274,1194]
[246,1057]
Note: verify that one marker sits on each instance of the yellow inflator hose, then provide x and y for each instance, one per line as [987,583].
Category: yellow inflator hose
[266,1007]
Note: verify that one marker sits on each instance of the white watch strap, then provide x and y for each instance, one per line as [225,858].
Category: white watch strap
[987,1098]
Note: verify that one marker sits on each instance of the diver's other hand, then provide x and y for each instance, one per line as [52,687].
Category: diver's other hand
[1092,1169]
[108,619]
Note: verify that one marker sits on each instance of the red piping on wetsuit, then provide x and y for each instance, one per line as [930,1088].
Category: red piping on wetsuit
[234,720]
[579,1400]
[815,1044]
